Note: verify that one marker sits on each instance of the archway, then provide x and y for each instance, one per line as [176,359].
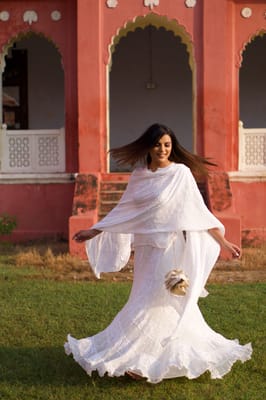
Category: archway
[252,99]
[151,80]
[33,106]
[252,83]
[44,76]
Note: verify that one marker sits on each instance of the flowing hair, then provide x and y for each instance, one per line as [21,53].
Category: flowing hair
[138,151]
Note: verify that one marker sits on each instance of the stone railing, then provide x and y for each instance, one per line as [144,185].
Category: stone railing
[252,149]
[32,151]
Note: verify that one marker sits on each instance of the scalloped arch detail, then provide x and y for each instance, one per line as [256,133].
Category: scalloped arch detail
[158,21]
[23,35]
[260,32]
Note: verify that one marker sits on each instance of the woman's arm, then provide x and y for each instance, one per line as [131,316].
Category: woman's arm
[83,235]
[225,244]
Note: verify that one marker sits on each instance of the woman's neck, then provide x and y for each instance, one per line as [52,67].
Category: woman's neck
[154,166]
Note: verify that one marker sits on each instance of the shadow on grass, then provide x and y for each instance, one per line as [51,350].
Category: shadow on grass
[51,366]
[47,366]
[33,371]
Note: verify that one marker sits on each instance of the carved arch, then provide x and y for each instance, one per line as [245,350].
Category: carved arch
[251,37]
[158,21]
[24,35]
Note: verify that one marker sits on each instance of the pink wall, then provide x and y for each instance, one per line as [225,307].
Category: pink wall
[91,87]
[41,210]
[250,198]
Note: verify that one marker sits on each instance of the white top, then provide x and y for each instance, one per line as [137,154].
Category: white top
[154,207]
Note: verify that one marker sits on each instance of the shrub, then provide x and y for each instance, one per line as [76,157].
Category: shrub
[7,224]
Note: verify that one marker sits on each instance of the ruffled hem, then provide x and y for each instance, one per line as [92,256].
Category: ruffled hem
[166,367]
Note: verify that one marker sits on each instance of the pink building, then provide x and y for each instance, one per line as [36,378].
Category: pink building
[81,76]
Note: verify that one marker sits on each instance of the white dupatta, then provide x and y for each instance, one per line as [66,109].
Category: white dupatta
[164,201]
[159,204]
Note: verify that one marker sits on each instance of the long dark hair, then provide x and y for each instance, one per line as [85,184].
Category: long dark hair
[138,150]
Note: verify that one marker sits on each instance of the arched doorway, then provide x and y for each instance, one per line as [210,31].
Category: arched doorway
[33,113]
[252,106]
[150,80]
[252,84]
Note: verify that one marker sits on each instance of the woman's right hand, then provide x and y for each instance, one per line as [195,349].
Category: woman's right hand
[83,235]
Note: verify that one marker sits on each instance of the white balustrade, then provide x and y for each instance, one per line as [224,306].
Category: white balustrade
[33,151]
[252,148]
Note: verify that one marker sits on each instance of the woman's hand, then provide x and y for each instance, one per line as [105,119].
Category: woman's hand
[224,243]
[232,248]
[83,235]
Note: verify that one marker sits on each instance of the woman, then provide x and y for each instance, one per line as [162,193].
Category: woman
[163,217]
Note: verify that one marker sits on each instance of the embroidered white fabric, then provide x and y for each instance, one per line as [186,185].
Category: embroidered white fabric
[157,335]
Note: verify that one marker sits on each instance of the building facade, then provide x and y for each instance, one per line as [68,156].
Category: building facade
[81,76]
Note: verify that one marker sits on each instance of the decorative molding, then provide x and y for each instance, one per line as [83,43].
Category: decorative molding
[30,16]
[190,3]
[151,3]
[56,15]
[247,176]
[246,12]
[16,178]
[4,16]
[112,3]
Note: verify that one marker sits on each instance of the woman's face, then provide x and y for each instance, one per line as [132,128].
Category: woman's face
[160,153]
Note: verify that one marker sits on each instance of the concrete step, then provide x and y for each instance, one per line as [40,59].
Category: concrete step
[113,186]
[107,206]
[111,196]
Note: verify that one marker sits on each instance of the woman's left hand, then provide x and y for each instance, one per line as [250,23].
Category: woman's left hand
[232,248]
[224,243]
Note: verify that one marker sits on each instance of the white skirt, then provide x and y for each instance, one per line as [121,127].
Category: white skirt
[144,338]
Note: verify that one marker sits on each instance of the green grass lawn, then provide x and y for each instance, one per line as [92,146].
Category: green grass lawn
[37,314]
